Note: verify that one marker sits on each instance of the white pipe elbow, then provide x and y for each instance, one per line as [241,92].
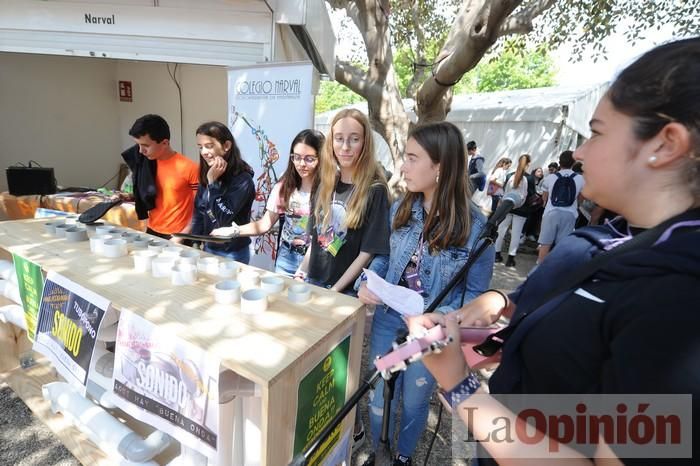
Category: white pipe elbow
[13,314]
[102,428]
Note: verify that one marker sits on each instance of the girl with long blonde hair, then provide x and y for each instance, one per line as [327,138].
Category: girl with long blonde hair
[350,206]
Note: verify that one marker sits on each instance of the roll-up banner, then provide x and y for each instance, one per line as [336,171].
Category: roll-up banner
[267,106]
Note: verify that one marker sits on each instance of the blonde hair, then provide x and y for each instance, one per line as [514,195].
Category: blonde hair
[367,172]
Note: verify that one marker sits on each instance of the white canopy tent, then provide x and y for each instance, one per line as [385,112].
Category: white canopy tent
[541,122]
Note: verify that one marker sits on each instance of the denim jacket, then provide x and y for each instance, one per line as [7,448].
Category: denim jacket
[436,270]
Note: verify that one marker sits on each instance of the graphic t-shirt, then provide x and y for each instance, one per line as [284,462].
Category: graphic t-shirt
[334,248]
[296,215]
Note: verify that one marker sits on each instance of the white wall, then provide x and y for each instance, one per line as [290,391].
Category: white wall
[61,112]
[64,112]
[203,98]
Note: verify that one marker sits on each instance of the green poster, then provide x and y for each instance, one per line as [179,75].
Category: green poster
[31,287]
[320,397]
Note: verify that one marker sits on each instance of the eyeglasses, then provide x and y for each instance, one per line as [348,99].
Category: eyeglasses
[308,159]
[351,141]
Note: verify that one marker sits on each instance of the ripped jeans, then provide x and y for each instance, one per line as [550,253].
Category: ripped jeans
[413,388]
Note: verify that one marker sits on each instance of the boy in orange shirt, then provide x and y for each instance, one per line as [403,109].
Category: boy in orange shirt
[176,177]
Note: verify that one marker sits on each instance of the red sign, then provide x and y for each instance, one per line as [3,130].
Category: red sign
[125,94]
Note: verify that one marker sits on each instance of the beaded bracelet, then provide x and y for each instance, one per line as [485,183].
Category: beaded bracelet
[463,390]
[503,295]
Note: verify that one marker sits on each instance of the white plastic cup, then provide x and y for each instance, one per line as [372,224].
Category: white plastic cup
[114,247]
[228,269]
[272,284]
[299,293]
[104,229]
[227,292]
[50,227]
[92,227]
[171,251]
[254,301]
[143,259]
[75,234]
[61,230]
[249,279]
[183,273]
[157,245]
[128,236]
[140,242]
[71,219]
[162,266]
[97,243]
[189,256]
[208,265]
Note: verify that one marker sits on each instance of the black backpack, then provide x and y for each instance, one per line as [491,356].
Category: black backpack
[564,190]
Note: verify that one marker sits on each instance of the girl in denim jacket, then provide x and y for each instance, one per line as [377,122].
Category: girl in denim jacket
[434,228]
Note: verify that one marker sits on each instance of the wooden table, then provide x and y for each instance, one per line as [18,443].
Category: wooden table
[275,349]
[21,207]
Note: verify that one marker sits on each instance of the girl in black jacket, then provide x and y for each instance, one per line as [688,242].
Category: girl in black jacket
[226,191]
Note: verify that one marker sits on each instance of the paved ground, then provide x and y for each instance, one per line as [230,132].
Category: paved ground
[26,441]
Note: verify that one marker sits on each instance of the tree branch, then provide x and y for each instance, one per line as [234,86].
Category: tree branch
[353,77]
[521,23]
[419,72]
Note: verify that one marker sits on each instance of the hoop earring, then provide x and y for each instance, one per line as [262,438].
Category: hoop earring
[437,178]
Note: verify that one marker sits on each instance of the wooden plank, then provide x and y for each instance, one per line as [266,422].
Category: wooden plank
[13,342]
[27,385]
[259,348]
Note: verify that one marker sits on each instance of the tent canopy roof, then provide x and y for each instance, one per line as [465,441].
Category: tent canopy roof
[571,105]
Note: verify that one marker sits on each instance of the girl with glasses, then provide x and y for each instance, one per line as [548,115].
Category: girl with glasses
[348,223]
[290,201]
[226,190]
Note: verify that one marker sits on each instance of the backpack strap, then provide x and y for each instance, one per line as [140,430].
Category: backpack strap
[646,239]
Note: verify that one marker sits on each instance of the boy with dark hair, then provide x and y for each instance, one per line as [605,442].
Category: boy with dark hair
[176,177]
[475,168]
[560,193]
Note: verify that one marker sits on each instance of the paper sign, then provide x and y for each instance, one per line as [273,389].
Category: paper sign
[321,395]
[31,286]
[66,332]
[403,300]
[167,382]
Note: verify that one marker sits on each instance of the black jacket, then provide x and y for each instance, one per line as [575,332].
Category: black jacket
[143,172]
[218,205]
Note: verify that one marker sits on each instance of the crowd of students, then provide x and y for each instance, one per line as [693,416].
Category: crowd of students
[338,217]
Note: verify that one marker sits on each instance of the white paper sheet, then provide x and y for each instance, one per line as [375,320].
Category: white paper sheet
[404,300]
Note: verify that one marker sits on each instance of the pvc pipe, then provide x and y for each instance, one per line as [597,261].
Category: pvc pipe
[13,314]
[227,416]
[102,428]
[11,292]
[6,268]
[107,333]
